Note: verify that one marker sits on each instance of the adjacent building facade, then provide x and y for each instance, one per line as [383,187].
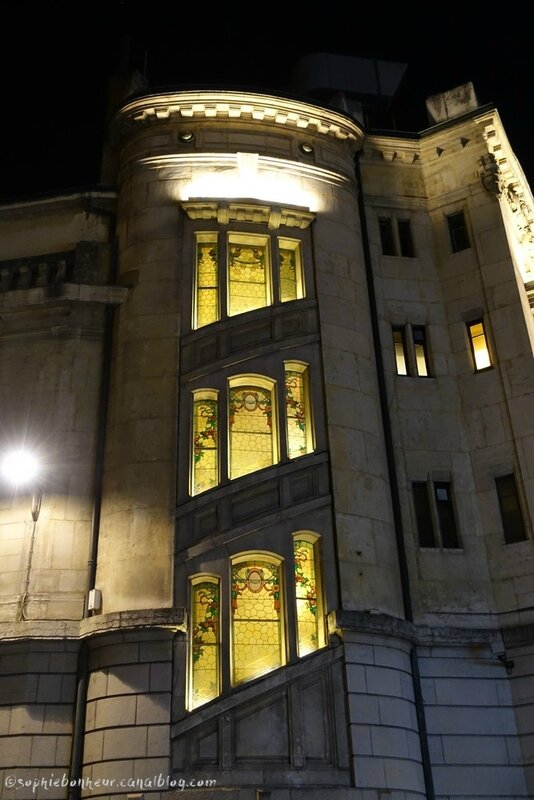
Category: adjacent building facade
[280,382]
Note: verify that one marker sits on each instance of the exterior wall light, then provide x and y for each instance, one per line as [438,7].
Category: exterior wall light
[21,468]
[306,148]
[186,137]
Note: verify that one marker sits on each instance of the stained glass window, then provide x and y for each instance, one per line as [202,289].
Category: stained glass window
[205,467]
[205,637]
[309,614]
[207,291]
[256,619]
[248,274]
[297,418]
[291,287]
[252,443]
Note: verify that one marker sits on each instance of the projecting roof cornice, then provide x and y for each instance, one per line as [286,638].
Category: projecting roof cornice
[189,106]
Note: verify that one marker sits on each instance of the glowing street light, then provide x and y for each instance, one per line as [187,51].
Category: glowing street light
[20,467]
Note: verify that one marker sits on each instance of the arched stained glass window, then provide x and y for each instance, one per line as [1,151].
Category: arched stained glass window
[205,450]
[248,273]
[310,629]
[257,634]
[204,677]
[206,307]
[298,422]
[252,425]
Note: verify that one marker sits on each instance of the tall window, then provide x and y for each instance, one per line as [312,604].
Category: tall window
[399,345]
[291,279]
[423,514]
[248,273]
[205,462]
[458,232]
[479,345]
[207,283]
[446,517]
[251,410]
[204,672]
[510,508]
[396,237]
[421,350]
[298,423]
[434,514]
[310,629]
[257,635]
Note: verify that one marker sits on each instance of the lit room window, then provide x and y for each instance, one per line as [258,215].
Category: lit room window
[204,676]
[421,350]
[479,345]
[252,425]
[206,306]
[310,630]
[298,422]
[511,516]
[249,283]
[291,281]
[205,466]
[434,514]
[257,631]
[399,344]
[458,232]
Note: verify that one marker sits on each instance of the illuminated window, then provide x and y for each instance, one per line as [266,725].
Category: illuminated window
[458,232]
[205,466]
[479,345]
[204,677]
[434,514]
[257,633]
[399,344]
[206,307]
[248,273]
[298,422]
[420,350]
[252,425]
[510,508]
[310,630]
[291,280]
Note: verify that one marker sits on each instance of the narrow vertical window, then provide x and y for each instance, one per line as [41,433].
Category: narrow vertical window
[248,274]
[458,232]
[423,514]
[399,344]
[257,640]
[206,283]
[447,522]
[386,236]
[405,238]
[204,679]
[252,443]
[205,461]
[421,350]
[298,422]
[291,283]
[512,519]
[479,345]
[310,630]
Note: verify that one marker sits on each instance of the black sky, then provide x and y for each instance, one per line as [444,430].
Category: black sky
[55,59]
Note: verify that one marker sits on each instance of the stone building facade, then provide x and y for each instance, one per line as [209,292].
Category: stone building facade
[280,385]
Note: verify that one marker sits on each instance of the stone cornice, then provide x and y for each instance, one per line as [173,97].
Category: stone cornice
[248,211]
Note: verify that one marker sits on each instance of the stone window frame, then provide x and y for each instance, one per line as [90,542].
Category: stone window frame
[506,523]
[479,320]
[396,235]
[408,333]
[426,504]
[460,237]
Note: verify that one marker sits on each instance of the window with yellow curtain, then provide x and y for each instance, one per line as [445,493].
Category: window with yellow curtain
[204,672]
[252,425]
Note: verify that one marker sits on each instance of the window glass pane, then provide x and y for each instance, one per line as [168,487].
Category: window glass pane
[512,519]
[420,347]
[297,422]
[423,515]
[205,467]
[458,232]
[291,287]
[247,277]
[386,236]
[405,238]
[309,614]
[447,522]
[400,351]
[207,293]
[251,430]
[256,619]
[479,345]
[205,616]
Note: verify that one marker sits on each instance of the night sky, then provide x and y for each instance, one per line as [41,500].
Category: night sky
[56,59]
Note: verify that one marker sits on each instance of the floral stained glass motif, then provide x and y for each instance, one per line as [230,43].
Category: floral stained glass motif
[290,270]
[296,419]
[205,611]
[205,443]
[256,619]
[207,291]
[247,278]
[251,430]
[308,622]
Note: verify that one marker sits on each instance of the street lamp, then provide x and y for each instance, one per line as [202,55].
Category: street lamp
[20,467]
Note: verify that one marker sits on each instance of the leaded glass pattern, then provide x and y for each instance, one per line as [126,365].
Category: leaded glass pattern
[207,284]
[251,429]
[290,270]
[247,277]
[205,467]
[256,619]
[306,597]
[297,434]
[205,636]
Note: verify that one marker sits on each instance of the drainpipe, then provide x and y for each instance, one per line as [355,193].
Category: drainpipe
[394,485]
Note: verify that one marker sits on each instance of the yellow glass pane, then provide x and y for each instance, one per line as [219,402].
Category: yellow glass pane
[247,278]
[480,346]
[207,292]
[205,616]
[297,438]
[205,445]
[308,622]
[256,623]
[420,360]
[251,434]
[400,359]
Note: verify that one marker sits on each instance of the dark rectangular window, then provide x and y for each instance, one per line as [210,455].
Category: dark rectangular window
[405,238]
[386,236]
[421,350]
[458,232]
[512,519]
[399,344]
[423,515]
[444,507]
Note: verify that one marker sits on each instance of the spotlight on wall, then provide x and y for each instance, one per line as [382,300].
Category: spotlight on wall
[186,137]
[306,148]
